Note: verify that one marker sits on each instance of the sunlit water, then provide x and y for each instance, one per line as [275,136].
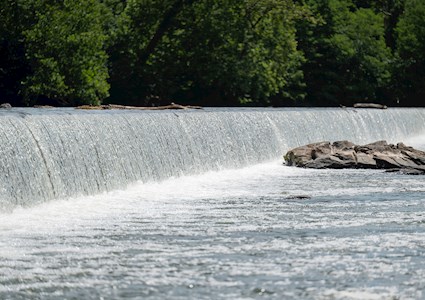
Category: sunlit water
[229,234]
[60,153]
[225,235]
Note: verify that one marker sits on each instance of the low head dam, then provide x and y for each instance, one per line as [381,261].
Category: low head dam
[50,154]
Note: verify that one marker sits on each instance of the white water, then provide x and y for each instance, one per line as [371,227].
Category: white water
[64,153]
[230,234]
[210,230]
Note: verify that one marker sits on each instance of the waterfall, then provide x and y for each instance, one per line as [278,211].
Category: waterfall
[59,153]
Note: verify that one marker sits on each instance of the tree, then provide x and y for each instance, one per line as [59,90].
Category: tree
[215,51]
[347,58]
[410,75]
[14,67]
[65,49]
[364,58]
[140,27]
[391,9]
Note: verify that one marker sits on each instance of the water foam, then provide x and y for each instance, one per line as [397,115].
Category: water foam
[224,234]
[66,153]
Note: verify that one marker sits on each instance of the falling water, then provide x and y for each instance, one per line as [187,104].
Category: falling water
[51,154]
[198,205]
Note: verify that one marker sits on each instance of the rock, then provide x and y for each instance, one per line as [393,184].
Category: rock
[407,171]
[321,150]
[5,105]
[343,145]
[346,155]
[298,197]
[364,161]
[392,160]
[415,155]
[373,147]
[329,162]
[301,155]
[369,105]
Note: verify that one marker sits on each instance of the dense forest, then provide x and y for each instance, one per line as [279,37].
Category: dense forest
[212,52]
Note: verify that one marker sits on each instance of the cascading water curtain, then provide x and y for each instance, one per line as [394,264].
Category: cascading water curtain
[50,155]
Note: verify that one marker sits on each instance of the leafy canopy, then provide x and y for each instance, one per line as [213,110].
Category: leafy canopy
[65,48]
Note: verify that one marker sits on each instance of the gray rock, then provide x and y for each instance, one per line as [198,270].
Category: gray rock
[298,197]
[407,171]
[365,161]
[344,154]
[329,162]
[415,155]
[343,145]
[301,155]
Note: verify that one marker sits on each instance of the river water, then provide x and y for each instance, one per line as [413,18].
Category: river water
[226,234]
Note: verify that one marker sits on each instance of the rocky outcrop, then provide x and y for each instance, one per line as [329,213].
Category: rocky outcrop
[346,155]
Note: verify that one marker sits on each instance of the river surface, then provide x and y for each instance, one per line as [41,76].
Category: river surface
[230,234]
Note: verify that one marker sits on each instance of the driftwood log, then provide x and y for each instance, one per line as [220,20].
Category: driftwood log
[5,105]
[116,106]
[369,105]
[43,106]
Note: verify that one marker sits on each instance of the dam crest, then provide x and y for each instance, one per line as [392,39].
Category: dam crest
[60,153]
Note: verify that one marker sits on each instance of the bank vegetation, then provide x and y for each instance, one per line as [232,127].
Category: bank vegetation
[212,52]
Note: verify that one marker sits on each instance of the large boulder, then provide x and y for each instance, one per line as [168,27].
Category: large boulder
[302,155]
[344,154]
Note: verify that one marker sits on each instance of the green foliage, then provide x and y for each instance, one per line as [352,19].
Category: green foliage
[363,58]
[214,51]
[13,65]
[410,74]
[411,30]
[65,50]
[391,10]
[347,57]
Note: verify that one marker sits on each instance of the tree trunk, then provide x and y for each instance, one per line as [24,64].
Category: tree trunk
[162,29]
